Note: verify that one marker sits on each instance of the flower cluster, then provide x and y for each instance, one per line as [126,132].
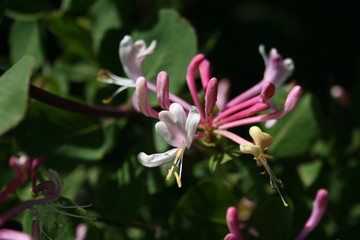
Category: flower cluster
[182,122]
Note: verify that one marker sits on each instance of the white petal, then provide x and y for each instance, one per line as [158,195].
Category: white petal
[175,120]
[192,122]
[163,131]
[118,80]
[157,159]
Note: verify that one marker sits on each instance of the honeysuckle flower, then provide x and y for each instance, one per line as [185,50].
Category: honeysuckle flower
[178,130]
[262,141]
[277,71]
[319,207]
[50,189]
[243,109]
[131,56]
[24,168]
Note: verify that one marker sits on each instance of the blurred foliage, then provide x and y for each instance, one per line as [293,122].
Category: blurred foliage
[69,41]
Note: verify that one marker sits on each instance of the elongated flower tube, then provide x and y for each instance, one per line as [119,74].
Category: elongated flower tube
[10,234]
[131,56]
[319,207]
[178,130]
[232,220]
[142,97]
[262,141]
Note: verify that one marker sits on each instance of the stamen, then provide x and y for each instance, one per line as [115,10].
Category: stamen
[168,175]
[106,101]
[178,180]
[274,181]
[174,165]
[179,153]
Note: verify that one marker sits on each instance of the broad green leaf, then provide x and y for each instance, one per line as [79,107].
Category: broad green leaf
[27,10]
[59,221]
[25,39]
[62,135]
[176,46]
[75,6]
[14,93]
[105,17]
[295,134]
[216,196]
[272,220]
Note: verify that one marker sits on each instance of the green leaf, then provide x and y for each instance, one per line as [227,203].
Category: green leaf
[295,134]
[176,46]
[73,34]
[62,135]
[57,222]
[216,196]
[272,220]
[25,39]
[14,93]
[309,172]
[105,17]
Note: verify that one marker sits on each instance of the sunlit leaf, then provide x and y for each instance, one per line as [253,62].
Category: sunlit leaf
[176,46]
[14,93]
[295,134]
[105,17]
[25,40]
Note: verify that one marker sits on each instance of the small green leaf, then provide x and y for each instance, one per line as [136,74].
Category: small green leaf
[105,17]
[309,172]
[176,46]
[25,40]
[294,135]
[14,86]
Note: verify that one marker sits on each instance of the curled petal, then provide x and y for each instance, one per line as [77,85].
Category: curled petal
[223,93]
[251,149]
[230,236]
[172,126]
[162,89]
[34,168]
[260,138]
[190,79]
[157,159]
[192,122]
[142,96]
[132,54]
